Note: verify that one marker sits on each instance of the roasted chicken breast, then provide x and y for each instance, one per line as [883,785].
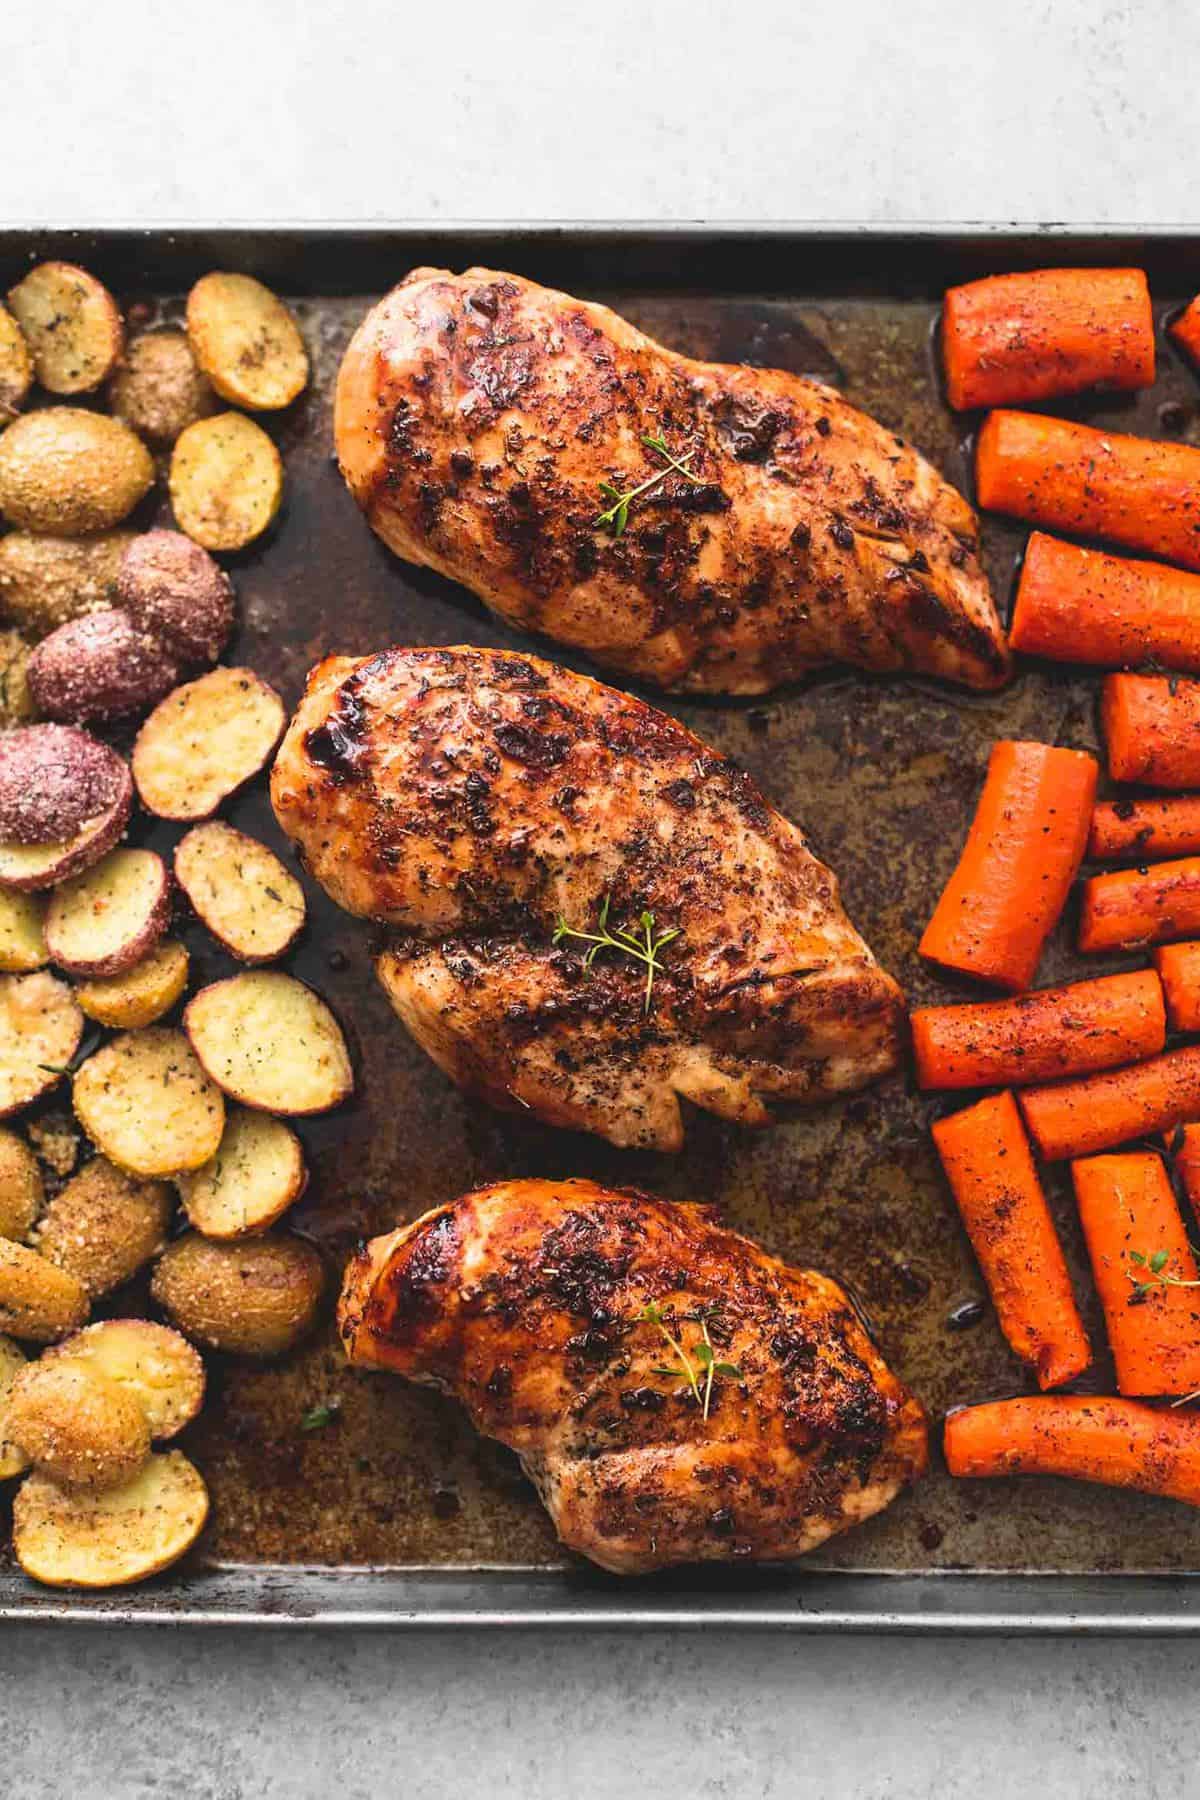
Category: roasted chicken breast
[484,424]
[548,1308]
[504,814]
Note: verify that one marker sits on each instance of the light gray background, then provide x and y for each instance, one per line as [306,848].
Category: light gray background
[872,109]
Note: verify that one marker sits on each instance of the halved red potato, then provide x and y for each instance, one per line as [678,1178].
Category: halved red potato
[172,589]
[270,1042]
[76,1425]
[40,1029]
[16,368]
[240,890]
[65,800]
[104,1226]
[226,482]
[22,933]
[99,668]
[140,995]
[71,324]
[68,471]
[38,1302]
[257,1173]
[253,1298]
[158,389]
[204,741]
[147,1104]
[13,1461]
[21,1189]
[78,1537]
[109,918]
[152,1362]
[246,341]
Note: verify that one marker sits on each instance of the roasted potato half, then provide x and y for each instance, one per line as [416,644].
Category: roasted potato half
[71,472]
[21,1190]
[270,1042]
[44,581]
[104,921]
[138,996]
[104,1226]
[173,590]
[38,1302]
[158,390]
[72,326]
[89,1538]
[205,741]
[241,891]
[257,1173]
[16,368]
[40,1029]
[99,668]
[53,781]
[253,1298]
[13,1461]
[246,341]
[151,1362]
[76,1425]
[147,1104]
[22,933]
[226,482]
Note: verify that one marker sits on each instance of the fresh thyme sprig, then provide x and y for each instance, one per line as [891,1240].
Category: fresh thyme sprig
[616,517]
[643,949]
[1154,1277]
[699,1379]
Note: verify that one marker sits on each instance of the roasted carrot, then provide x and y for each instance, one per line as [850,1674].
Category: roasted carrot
[1071,477]
[1144,1270]
[1140,829]
[1076,605]
[1041,1036]
[1151,730]
[1186,330]
[988,1164]
[1010,338]
[1184,1145]
[1127,908]
[1097,1112]
[1022,853]
[1121,1443]
[1178,967]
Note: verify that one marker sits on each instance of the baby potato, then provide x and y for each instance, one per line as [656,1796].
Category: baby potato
[226,481]
[246,341]
[12,1360]
[172,589]
[21,1190]
[144,1100]
[71,324]
[109,1537]
[75,1425]
[99,668]
[140,995]
[157,388]
[16,368]
[255,1297]
[44,581]
[40,1029]
[153,1363]
[104,1225]
[37,1301]
[69,471]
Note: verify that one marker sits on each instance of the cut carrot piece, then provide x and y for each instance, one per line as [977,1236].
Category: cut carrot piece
[1178,966]
[1186,330]
[988,1164]
[1010,338]
[1069,477]
[1130,907]
[1140,1258]
[1140,829]
[1184,1145]
[1041,1036]
[1121,1443]
[1022,853]
[1097,1112]
[1151,728]
[1081,606]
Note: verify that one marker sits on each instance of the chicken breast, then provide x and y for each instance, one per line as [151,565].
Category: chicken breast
[504,814]
[675,1394]
[485,424]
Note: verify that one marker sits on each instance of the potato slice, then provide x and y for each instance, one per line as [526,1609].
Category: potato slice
[253,1298]
[21,1190]
[44,581]
[240,890]
[153,1363]
[158,389]
[16,368]
[108,919]
[31,867]
[246,341]
[146,1103]
[271,1043]
[68,471]
[40,1029]
[76,1425]
[141,995]
[257,1173]
[204,741]
[13,1461]
[104,1226]
[226,482]
[22,937]
[77,1537]
[71,324]
[37,1301]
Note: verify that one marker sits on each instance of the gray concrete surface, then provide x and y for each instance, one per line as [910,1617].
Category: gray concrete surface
[242,109]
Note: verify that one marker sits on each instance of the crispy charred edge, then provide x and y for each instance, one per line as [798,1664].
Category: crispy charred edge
[401,1267]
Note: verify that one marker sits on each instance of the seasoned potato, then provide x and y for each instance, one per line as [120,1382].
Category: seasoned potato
[172,589]
[56,1140]
[44,581]
[253,1298]
[104,1226]
[226,481]
[158,389]
[109,1537]
[271,1043]
[99,668]
[141,995]
[204,741]
[71,472]
[16,368]
[40,1029]
[108,919]
[22,935]
[241,891]
[21,1190]
[145,1101]
[37,1301]
[13,1461]
[246,341]
[76,1425]
[257,1173]
[153,1363]
[64,801]
[16,701]
[71,324]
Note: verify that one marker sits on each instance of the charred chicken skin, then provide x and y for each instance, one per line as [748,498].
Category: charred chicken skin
[548,1309]
[484,424]
[503,813]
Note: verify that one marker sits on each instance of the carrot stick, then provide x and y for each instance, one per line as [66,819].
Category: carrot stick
[1141,1258]
[1121,1443]
[1022,853]
[1178,966]
[988,1164]
[1144,828]
[1186,330]
[1074,1118]
[1127,908]
[1184,1145]
[1151,729]
[1081,606]
[1097,483]
[1011,338]
[1040,1036]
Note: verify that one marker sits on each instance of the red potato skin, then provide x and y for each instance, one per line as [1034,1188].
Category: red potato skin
[1151,728]
[153,926]
[1083,606]
[79,853]
[1121,1443]
[1137,830]
[1126,909]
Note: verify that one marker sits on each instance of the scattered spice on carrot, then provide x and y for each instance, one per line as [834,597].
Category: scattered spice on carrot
[1022,853]
[1122,1443]
[988,1164]
[1097,1112]
[1184,1145]
[1136,491]
[1151,727]
[1186,330]
[1042,1035]
[1082,606]
[1139,830]
[1178,967]
[1128,908]
[1144,1270]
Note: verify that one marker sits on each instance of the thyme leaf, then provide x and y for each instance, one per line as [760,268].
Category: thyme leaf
[615,517]
[644,948]
[699,1373]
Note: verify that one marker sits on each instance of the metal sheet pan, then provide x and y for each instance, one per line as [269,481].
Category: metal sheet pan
[397,1514]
